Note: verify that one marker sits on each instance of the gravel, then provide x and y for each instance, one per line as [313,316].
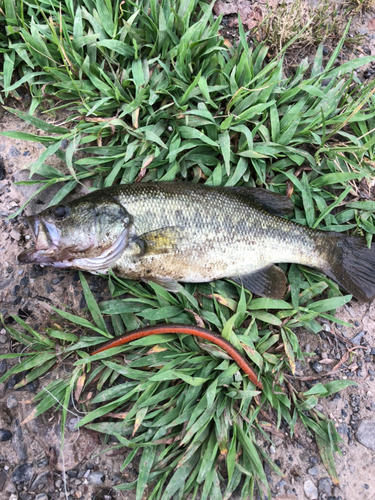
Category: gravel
[325,486]
[317,367]
[366,433]
[311,491]
[357,339]
[5,435]
[343,429]
[3,478]
[96,478]
[12,402]
[22,476]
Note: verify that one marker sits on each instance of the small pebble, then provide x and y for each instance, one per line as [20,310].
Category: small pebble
[43,462]
[24,281]
[313,471]
[357,339]
[325,486]
[5,435]
[3,478]
[3,362]
[317,367]
[343,429]
[12,402]
[310,490]
[96,478]
[15,290]
[22,475]
[366,433]
[41,496]
[56,281]
[14,152]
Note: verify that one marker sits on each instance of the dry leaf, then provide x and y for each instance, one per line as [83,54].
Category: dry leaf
[156,348]
[199,321]
[79,388]
[250,15]
[371,24]
[326,361]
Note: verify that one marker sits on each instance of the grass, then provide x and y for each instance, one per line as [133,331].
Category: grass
[313,25]
[360,6]
[150,92]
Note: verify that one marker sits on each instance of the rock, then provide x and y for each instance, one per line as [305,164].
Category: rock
[5,435]
[72,422]
[313,471]
[3,364]
[40,480]
[343,429]
[41,496]
[24,281]
[5,283]
[43,462]
[22,475]
[317,367]
[96,478]
[366,433]
[3,478]
[19,444]
[357,339]
[15,290]
[12,402]
[14,152]
[311,491]
[325,486]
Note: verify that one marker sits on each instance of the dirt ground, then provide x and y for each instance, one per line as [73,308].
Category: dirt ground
[30,464]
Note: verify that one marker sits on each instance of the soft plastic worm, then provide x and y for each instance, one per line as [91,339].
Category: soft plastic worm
[186,330]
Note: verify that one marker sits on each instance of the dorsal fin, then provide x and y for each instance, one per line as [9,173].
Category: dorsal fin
[273,203]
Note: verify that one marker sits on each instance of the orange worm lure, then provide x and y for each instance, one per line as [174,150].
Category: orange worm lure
[186,330]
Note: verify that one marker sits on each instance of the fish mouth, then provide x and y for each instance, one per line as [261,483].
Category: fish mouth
[46,239]
[48,249]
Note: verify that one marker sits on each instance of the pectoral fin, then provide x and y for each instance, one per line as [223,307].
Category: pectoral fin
[272,203]
[268,282]
[161,241]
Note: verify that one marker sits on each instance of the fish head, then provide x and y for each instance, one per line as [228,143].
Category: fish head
[89,234]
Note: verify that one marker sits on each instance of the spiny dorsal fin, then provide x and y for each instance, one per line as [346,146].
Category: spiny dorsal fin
[267,282]
[273,203]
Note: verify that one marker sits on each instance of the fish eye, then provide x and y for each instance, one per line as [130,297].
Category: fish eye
[61,212]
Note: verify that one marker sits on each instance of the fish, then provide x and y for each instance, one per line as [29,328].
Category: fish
[173,232]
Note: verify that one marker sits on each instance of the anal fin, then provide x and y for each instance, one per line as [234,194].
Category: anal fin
[267,282]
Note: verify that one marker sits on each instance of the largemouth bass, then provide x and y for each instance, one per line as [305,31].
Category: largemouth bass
[181,232]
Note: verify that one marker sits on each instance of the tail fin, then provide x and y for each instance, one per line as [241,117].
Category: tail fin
[352,265]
